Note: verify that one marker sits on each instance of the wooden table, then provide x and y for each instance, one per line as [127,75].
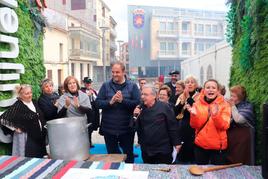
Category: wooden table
[108,157]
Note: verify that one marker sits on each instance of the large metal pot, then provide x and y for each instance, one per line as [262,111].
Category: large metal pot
[68,138]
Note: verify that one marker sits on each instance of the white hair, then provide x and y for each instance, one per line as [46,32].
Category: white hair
[188,77]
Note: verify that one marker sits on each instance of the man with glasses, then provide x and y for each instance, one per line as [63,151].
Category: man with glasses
[157,128]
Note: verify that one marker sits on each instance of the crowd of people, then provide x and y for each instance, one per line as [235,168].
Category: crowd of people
[196,122]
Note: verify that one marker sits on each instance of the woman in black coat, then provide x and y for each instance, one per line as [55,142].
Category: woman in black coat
[187,133]
[25,121]
[48,100]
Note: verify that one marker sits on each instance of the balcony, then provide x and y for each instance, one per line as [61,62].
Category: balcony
[82,54]
[209,35]
[83,30]
[113,46]
[168,54]
[167,34]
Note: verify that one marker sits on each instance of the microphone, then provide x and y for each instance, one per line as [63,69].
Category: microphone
[140,106]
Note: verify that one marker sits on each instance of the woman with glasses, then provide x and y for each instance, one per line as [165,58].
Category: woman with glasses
[25,121]
[164,94]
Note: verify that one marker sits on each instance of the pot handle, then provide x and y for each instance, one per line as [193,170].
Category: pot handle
[45,126]
[89,124]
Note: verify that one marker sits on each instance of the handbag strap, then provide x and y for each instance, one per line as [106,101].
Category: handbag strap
[204,123]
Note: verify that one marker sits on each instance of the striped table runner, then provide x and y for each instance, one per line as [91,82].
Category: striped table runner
[22,167]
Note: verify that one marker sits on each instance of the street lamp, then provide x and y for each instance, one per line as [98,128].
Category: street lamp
[120,53]
[103,28]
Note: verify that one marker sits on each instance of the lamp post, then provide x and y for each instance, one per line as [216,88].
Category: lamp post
[119,44]
[103,51]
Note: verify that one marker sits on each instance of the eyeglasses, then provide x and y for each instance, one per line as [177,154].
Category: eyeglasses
[162,94]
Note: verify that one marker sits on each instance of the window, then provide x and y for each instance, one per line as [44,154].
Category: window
[49,74]
[199,47]
[77,5]
[208,29]
[185,27]
[209,72]
[59,77]
[72,44]
[215,30]
[88,70]
[186,48]
[202,75]
[103,11]
[81,71]
[95,18]
[81,45]
[61,52]
[171,46]
[200,28]
[72,69]
[163,46]
[208,45]
[162,26]
[170,26]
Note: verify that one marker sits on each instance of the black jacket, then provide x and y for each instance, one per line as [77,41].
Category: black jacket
[173,98]
[46,104]
[157,129]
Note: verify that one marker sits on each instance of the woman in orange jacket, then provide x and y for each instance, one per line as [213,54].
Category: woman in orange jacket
[210,117]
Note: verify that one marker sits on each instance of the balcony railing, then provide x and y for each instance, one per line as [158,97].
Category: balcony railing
[209,34]
[167,33]
[83,53]
[83,28]
[168,53]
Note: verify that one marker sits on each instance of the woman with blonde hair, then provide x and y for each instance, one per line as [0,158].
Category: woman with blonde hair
[188,97]
[25,121]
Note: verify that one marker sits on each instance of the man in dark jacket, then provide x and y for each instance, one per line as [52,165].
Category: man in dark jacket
[175,76]
[157,128]
[94,115]
[118,98]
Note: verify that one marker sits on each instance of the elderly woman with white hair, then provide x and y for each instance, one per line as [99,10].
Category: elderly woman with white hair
[25,121]
[48,100]
[189,96]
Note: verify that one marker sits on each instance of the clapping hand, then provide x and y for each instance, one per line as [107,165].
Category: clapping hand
[118,97]
[76,102]
[214,109]
[67,102]
[192,109]
[231,102]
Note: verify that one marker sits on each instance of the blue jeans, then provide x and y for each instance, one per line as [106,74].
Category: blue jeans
[125,141]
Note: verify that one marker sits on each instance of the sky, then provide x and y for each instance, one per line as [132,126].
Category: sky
[119,9]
